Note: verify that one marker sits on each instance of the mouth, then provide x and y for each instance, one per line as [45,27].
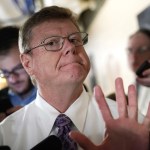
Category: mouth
[17,85]
[71,65]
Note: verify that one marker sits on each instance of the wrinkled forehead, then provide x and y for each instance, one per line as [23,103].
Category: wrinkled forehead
[139,39]
[52,28]
[140,36]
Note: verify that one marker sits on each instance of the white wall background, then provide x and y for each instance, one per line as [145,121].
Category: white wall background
[108,36]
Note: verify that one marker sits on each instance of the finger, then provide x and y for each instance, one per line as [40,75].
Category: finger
[99,96]
[120,98]
[146,72]
[82,140]
[144,81]
[132,101]
[147,118]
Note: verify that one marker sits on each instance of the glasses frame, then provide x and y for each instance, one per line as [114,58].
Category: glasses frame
[84,40]
[13,71]
[140,50]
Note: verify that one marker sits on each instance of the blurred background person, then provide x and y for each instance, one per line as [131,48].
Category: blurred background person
[20,90]
[138,52]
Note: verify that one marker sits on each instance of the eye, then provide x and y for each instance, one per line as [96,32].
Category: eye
[143,49]
[75,40]
[52,41]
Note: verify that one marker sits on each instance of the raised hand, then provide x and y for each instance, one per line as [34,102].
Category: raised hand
[124,133]
[146,79]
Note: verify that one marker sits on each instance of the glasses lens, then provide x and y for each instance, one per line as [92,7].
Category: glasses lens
[78,38]
[140,50]
[53,43]
[16,71]
[143,49]
[4,74]
[85,38]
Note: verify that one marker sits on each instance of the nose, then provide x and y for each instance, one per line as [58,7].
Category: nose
[69,47]
[12,78]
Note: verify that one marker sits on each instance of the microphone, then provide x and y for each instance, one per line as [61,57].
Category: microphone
[4,148]
[51,142]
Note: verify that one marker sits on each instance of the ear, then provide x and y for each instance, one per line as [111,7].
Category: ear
[26,61]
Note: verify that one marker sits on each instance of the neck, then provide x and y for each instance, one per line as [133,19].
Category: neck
[59,97]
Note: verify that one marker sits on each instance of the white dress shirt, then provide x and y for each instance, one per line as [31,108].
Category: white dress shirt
[143,98]
[27,127]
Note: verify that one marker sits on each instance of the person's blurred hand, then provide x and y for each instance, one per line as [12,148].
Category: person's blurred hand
[146,79]
[2,116]
[12,109]
[8,112]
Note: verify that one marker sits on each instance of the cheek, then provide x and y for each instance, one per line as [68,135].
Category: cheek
[145,57]
[86,61]
[46,66]
[141,59]
[24,76]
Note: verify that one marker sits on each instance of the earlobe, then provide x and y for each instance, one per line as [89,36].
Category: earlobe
[26,62]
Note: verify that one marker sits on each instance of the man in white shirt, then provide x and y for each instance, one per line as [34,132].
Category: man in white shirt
[52,53]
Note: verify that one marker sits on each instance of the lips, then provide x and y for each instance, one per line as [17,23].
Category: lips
[71,65]
[72,62]
[17,84]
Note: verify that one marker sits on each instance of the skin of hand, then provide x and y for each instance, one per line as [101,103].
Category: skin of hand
[124,133]
[2,116]
[8,112]
[12,109]
[146,79]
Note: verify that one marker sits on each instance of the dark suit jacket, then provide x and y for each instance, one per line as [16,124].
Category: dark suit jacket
[4,100]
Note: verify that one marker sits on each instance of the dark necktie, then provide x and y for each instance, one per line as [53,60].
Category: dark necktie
[64,127]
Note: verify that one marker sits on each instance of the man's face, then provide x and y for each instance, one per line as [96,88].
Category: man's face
[138,50]
[16,77]
[68,65]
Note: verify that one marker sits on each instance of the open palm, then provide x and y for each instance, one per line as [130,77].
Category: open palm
[124,133]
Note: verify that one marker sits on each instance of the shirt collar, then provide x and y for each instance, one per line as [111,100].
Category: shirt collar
[76,112]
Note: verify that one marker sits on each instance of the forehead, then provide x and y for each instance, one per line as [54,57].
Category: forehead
[53,27]
[10,60]
[140,39]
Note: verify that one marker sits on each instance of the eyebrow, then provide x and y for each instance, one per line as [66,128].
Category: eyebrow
[15,67]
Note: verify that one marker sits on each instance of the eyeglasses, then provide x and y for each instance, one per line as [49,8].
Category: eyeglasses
[17,70]
[56,43]
[140,50]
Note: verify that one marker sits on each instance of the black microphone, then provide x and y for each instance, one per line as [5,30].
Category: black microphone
[51,142]
[4,148]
